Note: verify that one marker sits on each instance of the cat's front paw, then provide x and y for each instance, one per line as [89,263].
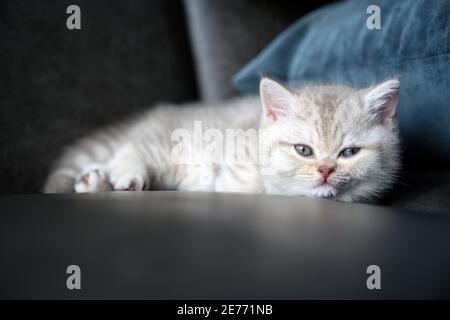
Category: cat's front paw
[94,180]
[131,181]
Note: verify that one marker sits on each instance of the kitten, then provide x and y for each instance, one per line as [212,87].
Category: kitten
[317,141]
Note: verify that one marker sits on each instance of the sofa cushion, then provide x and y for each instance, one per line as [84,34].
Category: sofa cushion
[57,85]
[333,44]
[225,34]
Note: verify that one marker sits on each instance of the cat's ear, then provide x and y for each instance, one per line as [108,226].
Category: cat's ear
[276,99]
[382,100]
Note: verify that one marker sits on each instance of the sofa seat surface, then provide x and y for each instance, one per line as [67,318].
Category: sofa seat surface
[177,245]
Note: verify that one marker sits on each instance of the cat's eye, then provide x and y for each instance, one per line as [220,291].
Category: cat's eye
[349,152]
[303,150]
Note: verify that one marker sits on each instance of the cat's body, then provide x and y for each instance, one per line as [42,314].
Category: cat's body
[140,151]
[149,152]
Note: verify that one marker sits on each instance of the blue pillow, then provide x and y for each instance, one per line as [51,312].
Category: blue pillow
[333,44]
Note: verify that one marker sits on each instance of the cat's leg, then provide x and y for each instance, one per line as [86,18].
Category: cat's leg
[128,170]
[93,179]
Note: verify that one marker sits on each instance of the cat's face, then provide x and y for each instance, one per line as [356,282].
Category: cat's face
[329,141]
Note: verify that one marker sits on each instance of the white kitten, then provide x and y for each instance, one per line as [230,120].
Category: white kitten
[318,141]
[337,142]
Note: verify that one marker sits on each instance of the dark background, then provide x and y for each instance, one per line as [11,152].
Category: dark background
[58,84]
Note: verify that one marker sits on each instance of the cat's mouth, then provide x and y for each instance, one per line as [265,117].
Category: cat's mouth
[325,191]
[341,183]
[330,188]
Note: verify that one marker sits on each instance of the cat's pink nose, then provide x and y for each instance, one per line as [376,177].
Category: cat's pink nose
[325,170]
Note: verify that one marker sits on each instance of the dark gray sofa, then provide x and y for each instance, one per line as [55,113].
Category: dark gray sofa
[57,85]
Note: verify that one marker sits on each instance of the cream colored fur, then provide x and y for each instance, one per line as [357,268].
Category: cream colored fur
[143,153]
